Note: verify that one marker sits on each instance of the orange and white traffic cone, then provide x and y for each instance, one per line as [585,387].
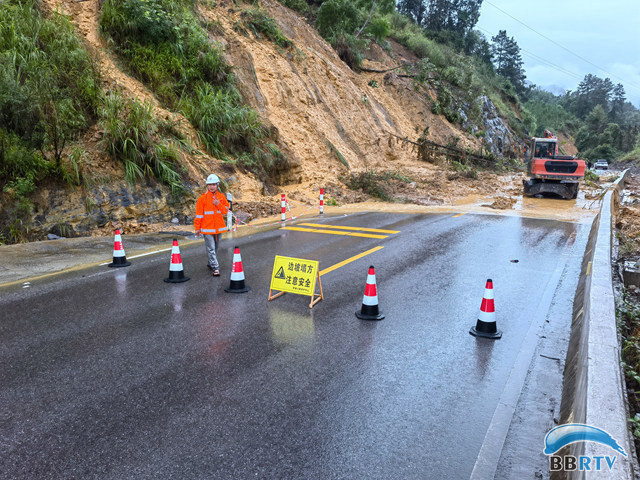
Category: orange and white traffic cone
[369,310]
[486,324]
[176,272]
[236,285]
[119,257]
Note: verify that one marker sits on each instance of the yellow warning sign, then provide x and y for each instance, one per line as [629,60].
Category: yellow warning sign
[295,275]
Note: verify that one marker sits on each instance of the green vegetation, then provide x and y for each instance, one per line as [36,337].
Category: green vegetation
[374,183]
[163,45]
[628,315]
[459,65]
[260,23]
[336,153]
[51,92]
[369,182]
[223,123]
[134,136]
[49,95]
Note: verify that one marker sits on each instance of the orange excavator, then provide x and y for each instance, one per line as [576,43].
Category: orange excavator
[551,173]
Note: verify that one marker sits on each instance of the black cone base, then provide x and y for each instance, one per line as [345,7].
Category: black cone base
[237,286]
[119,262]
[486,330]
[369,312]
[176,277]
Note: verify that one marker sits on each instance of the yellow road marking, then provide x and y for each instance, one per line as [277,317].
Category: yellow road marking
[459,215]
[330,232]
[348,260]
[321,225]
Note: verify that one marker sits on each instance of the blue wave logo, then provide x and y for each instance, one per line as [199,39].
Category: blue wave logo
[576,432]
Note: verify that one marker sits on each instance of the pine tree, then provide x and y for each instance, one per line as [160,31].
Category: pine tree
[507,60]
[414,9]
[618,97]
[457,16]
[593,91]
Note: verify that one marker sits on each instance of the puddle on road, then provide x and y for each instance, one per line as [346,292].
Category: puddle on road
[580,210]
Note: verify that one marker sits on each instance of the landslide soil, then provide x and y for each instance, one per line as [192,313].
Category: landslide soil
[330,122]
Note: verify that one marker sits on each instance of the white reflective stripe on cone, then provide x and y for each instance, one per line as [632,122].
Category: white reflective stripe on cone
[488,293]
[487,316]
[237,270]
[175,267]
[118,253]
[235,276]
[370,301]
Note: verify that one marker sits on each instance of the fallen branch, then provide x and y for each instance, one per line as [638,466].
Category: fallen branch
[462,153]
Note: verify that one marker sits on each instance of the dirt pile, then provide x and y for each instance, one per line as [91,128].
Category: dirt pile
[628,218]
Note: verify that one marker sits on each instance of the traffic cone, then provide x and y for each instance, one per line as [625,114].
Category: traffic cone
[486,324]
[236,285]
[176,272]
[369,310]
[119,258]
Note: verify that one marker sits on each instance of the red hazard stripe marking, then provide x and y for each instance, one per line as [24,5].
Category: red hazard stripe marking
[117,245]
[487,305]
[237,267]
[370,290]
[175,258]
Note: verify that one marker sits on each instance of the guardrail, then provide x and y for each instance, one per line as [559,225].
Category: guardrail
[594,391]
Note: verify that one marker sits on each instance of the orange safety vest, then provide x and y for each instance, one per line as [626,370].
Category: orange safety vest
[209,217]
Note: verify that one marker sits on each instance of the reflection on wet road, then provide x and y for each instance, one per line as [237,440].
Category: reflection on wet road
[118,374]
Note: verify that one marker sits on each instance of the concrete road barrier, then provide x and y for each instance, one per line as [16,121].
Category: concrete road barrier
[594,391]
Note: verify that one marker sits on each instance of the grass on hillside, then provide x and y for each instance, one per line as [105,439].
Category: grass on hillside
[49,96]
[163,44]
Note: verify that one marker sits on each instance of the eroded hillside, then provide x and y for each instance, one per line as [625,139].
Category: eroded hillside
[328,120]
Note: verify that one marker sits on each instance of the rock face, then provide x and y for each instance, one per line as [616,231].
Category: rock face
[75,213]
[328,121]
[499,138]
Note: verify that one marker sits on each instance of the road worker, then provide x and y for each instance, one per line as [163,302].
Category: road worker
[209,222]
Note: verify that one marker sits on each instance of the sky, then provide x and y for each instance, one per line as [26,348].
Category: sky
[561,41]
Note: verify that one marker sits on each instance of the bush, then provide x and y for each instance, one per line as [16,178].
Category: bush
[222,122]
[265,162]
[259,22]
[298,5]
[131,136]
[161,42]
[369,182]
[187,72]
[338,17]
[379,28]
[50,86]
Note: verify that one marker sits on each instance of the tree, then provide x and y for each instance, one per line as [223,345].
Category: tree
[507,60]
[599,138]
[476,45]
[458,16]
[414,9]
[593,91]
[336,17]
[618,98]
[381,25]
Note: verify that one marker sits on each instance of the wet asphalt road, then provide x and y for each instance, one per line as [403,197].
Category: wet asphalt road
[113,373]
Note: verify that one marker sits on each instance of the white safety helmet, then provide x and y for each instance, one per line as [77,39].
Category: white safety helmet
[212,179]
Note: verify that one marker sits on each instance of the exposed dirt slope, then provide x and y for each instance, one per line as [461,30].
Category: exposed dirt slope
[325,115]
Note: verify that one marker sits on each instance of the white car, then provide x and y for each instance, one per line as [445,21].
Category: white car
[601,165]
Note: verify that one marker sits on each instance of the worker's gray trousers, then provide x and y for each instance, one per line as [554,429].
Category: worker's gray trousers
[211,244]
